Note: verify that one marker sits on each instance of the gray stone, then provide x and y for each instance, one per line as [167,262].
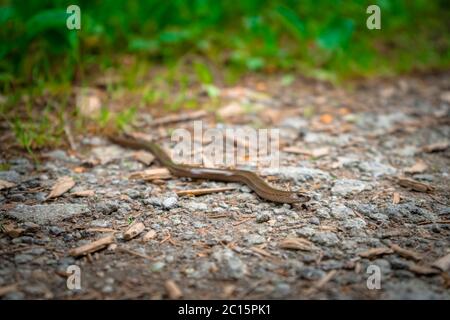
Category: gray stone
[23,258]
[377,169]
[47,214]
[230,265]
[263,216]
[326,238]
[254,239]
[55,230]
[310,273]
[158,266]
[17,197]
[354,224]
[345,187]
[340,211]
[305,232]
[100,223]
[107,207]
[170,203]
[297,174]
[424,177]
[323,213]
[195,206]
[10,175]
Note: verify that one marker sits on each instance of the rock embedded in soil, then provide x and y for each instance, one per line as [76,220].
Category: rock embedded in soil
[43,214]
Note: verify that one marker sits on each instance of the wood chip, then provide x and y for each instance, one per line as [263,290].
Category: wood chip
[199,192]
[149,236]
[179,118]
[320,152]
[297,150]
[436,147]
[83,193]
[423,270]
[12,231]
[6,184]
[151,174]
[396,198]
[418,167]
[414,185]
[173,290]
[262,252]
[93,246]
[7,289]
[144,157]
[375,252]
[296,244]
[61,186]
[133,231]
[409,254]
[443,263]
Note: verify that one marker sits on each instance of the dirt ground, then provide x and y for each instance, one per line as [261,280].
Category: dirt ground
[373,156]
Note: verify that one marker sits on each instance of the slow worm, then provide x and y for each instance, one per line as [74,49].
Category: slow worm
[253,181]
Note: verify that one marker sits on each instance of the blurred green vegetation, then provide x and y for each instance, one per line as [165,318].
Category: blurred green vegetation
[199,42]
[317,37]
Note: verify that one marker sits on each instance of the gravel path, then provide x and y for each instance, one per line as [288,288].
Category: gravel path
[347,149]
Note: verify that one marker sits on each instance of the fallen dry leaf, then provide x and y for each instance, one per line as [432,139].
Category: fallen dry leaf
[61,186]
[414,185]
[6,184]
[436,147]
[326,118]
[418,167]
[144,157]
[443,263]
[375,252]
[409,254]
[320,152]
[297,244]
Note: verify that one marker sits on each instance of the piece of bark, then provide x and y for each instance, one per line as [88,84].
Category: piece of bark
[144,157]
[443,263]
[296,244]
[436,147]
[375,252]
[409,254]
[151,174]
[149,236]
[396,198]
[179,118]
[133,231]
[12,231]
[61,186]
[93,246]
[83,193]
[173,290]
[6,184]
[199,192]
[423,270]
[414,185]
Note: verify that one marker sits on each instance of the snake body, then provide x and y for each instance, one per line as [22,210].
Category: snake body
[253,181]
